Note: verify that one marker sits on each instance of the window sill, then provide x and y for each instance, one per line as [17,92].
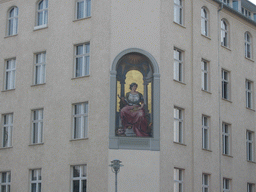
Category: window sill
[86,138]
[179,82]
[80,77]
[250,109]
[179,24]
[208,150]
[206,37]
[7,90]
[34,144]
[226,47]
[227,155]
[251,161]
[249,59]
[82,19]
[2,148]
[35,85]
[179,143]
[206,91]
[40,27]
[226,100]
[8,36]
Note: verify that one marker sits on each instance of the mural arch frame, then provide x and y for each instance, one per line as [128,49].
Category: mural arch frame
[137,143]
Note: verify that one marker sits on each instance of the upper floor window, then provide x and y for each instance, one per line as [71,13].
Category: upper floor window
[226,185]
[178,65]
[205,132]
[35,180]
[247,43]
[7,130]
[246,13]
[13,21]
[42,13]
[37,126]
[5,181]
[10,70]
[205,183]
[82,60]
[39,68]
[178,180]
[178,11]
[178,125]
[225,2]
[80,120]
[225,84]
[249,145]
[224,33]
[204,21]
[205,75]
[79,178]
[226,138]
[249,94]
[250,187]
[83,9]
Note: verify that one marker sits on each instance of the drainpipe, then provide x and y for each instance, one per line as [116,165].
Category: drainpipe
[219,98]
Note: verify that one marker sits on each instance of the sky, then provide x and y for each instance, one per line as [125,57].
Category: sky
[253,1]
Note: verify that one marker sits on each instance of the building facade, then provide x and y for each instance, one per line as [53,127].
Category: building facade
[66,65]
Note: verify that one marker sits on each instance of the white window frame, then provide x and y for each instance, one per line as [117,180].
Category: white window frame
[7,183]
[85,60]
[224,33]
[178,11]
[250,187]
[12,26]
[7,120]
[45,14]
[82,131]
[9,81]
[248,45]
[205,132]
[226,2]
[249,145]
[205,75]
[37,181]
[178,65]
[249,93]
[178,178]
[205,182]
[246,12]
[81,177]
[40,68]
[226,139]
[226,185]
[37,126]
[178,125]
[225,84]
[86,9]
[204,22]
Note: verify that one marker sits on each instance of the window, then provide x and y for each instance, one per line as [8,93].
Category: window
[250,187]
[42,13]
[79,178]
[80,120]
[82,60]
[37,126]
[178,11]
[39,69]
[36,180]
[5,182]
[178,180]
[246,13]
[224,33]
[225,84]
[204,21]
[249,145]
[205,132]
[205,183]
[13,21]
[247,40]
[225,2]
[10,74]
[178,125]
[226,185]
[83,9]
[249,94]
[178,65]
[7,130]
[205,75]
[225,139]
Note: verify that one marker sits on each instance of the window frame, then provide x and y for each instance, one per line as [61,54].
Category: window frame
[205,185]
[9,127]
[226,139]
[226,90]
[9,80]
[246,12]
[178,131]
[85,71]
[205,145]
[249,145]
[86,9]
[224,33]
[178,180]
[249,90]
[178,12]
[80,178]
[38,179]
[84,118]
[205,76]
[37,137]
[205,21]
[225,187]
[248,45]
[7,184]
[45,14]
[14,20]
[250,187]
[42,66]
[178,65]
